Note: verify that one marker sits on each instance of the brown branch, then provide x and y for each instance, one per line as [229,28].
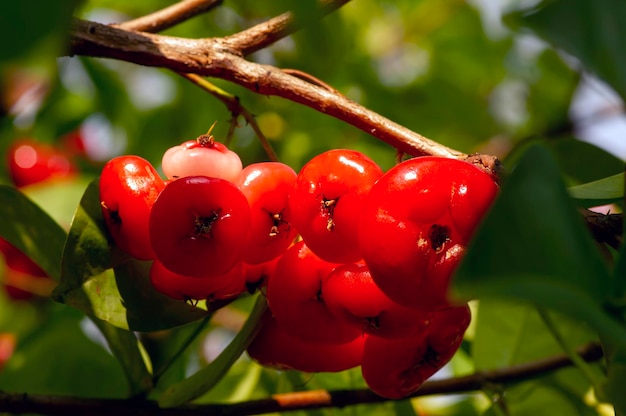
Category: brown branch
[70,406]
[217,58]
[605,228]
[169,16]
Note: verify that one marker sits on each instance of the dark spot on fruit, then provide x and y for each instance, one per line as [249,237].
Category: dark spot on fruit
[113,214]
[438,235]
[203,226]
[319,297]
[431,358]
[328,209]
[372,323]
[277,223]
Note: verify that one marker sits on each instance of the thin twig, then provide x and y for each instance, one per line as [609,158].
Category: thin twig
[309,78]
[236,109]
[17,403]
[169,16]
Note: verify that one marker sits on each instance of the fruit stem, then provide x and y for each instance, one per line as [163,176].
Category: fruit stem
[207,139]
[234,106]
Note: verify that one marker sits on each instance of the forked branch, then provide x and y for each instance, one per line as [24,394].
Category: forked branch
[170,16]
[225,58]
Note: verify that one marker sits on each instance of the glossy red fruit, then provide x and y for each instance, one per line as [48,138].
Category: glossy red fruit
[178,286]
[201,157]
[129,185]
[416,223]
[274,347]
[23,278]
[198,225]
[395,368]
[294,296]
[327,199]
[351,294]
[31,162]
[267,185]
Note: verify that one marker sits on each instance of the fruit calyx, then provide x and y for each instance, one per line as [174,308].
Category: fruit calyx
[203,226]
[204,140]
[328,209]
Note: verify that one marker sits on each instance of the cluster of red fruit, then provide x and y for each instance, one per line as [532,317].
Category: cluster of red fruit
[355,262]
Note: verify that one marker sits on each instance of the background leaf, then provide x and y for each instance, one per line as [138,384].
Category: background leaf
[510,333]
[60,359]
[124,346]
[25,225]
[207,377]
[600,192]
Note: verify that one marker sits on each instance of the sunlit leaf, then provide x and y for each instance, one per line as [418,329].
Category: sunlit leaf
[509,333]
[58,198]
[600,192]
[106,284]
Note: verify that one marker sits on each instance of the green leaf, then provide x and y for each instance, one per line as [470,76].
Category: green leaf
[580,162]
[593,31]
[533,246]
[205,379]
[616,355]
[600,192]
[104,283]
[58,198]
[125,347]
[29,228]
[615,385]
[557,394]
[510,333]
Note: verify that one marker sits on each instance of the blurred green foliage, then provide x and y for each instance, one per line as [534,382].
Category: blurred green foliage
[429,65]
